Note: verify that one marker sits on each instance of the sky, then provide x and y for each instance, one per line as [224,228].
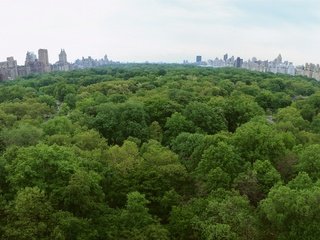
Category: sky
[161,30]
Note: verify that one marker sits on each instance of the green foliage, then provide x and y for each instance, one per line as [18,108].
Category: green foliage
[185,145]
[239,110]
[159,109]
[47,167]
[58,125]
[223,156]
[116,122]
[159,152]
[309,161]
[83,196]
[29,216]
[22,135]
[259,140]
[210,120]
[315,125]
[293,211]
[89,140]
[177,124]
[292,115]
[228,215]
[161,170]
[155,131]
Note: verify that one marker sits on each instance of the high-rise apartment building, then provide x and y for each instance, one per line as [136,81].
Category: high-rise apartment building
[199,59]
[278,60]
[63,57]
[43,56]
[62,64]
[8,69]
[44,60]
[225,57]
[30,57]
[239,62]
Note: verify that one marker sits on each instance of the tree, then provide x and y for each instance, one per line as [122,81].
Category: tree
[309,161]
[292,211]
[315,125]
[30,216]
[89,140]
[160,171]
[223,214]
[217,178]
[159,109]
[239,110]
[62,89]
[117,122]
[175,125]
[47,167]
[266,100]
[22,135]
[210,120]
[259,140]
[58,125]
[29,108]
[184,145]
[83,196]
[6,120]
[291,114]
[135,221]
[223,156]
[155,131]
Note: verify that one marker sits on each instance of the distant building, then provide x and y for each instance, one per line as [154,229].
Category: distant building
[30,57]
[89,62]
[105,58]
[275,66]
[44,60]
[225,57]
[33,65]
[8,69]
[238,62]
[43,56]
[63,57]
[23,71]
[291,70]
[62,64]
[198,59]
[278,60]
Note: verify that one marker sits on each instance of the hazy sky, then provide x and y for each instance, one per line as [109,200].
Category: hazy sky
[162,30]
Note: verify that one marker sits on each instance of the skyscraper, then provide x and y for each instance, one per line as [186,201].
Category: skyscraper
[225,57]
[30,57]
[239,62]
[198,59]
[44,60]
[8,69]
[278,60]
[43,56]
[62,64]
[63,57]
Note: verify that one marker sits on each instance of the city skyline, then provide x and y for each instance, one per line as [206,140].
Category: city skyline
[162,30]
[10,69]
[38,64]
[61,54]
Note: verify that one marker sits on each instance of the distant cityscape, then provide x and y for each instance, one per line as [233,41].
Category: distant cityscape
[276,66]
[10,70]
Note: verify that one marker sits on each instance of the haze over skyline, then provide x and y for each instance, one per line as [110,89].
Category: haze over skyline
[162,30]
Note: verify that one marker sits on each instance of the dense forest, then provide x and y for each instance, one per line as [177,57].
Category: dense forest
[160,152]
